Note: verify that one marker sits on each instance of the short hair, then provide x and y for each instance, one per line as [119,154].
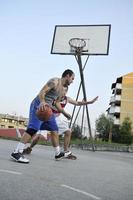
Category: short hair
[67,72]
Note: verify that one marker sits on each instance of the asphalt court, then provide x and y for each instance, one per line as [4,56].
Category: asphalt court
[93,176]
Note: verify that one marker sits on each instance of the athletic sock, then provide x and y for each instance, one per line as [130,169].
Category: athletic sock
[57,150]
[19,147]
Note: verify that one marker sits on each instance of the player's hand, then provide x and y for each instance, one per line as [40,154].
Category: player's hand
[95,99]
[43,106]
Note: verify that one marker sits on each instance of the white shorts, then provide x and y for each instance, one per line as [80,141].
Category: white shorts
[63,126]
[43,133]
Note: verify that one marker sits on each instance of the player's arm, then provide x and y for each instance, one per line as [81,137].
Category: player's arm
[61,110]
[81,103]
[52,83]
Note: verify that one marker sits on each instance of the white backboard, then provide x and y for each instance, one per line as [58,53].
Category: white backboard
[97,39]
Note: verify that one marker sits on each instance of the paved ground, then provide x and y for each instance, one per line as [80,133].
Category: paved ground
[93,176]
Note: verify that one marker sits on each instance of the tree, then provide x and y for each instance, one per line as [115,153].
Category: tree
[109,132]
[76,132]
[104,126]
[126,131]
[116,133]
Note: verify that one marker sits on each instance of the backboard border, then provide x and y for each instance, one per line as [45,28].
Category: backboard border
[109,25]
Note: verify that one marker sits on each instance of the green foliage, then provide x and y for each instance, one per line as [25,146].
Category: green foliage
[126,131]
[104,126]
[108,131]
[76,132]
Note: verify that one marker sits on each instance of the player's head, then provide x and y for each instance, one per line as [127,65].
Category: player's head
[68,76]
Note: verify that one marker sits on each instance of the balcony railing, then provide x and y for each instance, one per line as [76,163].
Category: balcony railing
[114,109]
[118,86]
[115,98]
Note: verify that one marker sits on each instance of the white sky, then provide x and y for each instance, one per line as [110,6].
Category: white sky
[26,33]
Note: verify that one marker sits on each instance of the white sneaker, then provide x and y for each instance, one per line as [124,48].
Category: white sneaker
[67,154]
[18,157]
[70,156]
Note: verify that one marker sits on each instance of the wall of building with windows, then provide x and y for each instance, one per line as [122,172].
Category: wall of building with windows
[121,101]
[11,121]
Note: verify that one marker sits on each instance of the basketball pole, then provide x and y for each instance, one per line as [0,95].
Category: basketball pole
[70,125]
[79,61]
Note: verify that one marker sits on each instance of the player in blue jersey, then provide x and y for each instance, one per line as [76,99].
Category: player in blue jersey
[63,127]
[52,90]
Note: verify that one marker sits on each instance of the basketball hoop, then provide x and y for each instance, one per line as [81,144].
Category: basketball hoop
[80,40]
[77,45]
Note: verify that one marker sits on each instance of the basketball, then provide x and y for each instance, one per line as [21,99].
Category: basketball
[45,114]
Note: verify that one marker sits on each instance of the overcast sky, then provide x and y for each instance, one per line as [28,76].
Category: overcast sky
[26,33]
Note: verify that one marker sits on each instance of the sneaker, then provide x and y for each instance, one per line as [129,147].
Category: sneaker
[59,156]
[18,157]
[67,153]
[70,156]
[27,150]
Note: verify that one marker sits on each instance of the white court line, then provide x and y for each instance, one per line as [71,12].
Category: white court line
[10,172]
[82,192]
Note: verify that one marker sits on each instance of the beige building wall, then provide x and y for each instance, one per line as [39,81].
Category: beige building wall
[10,121]
[121,102]
[127,97]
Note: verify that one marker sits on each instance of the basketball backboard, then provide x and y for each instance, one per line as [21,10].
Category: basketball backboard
[97,39]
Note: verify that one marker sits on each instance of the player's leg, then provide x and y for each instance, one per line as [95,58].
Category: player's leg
[54,139]
[24,140]
[32,128]
[64,129]
[17,154]
[67,139]
[55,142]
[51,125]
[34,141]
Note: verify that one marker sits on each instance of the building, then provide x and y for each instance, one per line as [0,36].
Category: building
[12,126]
[121,102]
[12,121]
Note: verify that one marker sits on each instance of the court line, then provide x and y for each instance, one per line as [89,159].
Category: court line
[81,191]
[10,172]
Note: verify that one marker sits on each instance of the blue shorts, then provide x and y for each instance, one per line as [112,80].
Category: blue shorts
[35,123]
